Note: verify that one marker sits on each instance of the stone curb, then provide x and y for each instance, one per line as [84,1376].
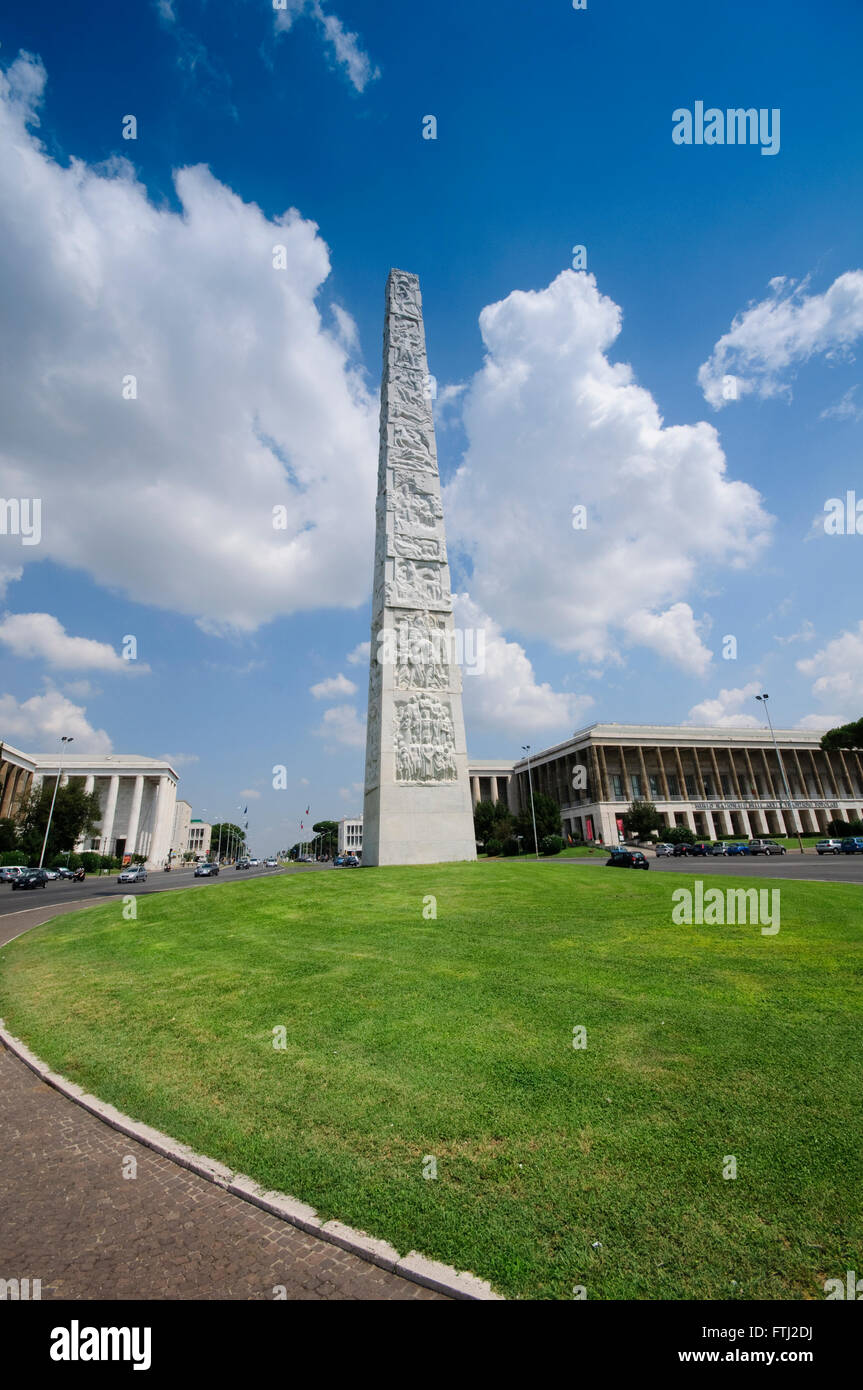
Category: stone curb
[430,1273]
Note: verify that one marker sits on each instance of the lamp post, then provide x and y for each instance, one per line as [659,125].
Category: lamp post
[525,748]
[64,738]
[763,699]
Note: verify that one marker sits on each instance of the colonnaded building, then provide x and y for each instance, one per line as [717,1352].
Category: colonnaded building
[716,781]
[138,797]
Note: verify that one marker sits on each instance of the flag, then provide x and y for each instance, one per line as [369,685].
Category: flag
[245,810]
[307,810]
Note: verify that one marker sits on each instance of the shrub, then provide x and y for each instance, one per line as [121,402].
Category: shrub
[12,856]
[493,847]
[679,835]
[510,848]
[90,861]
[550,844]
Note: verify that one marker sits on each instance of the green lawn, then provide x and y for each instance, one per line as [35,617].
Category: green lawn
[452,1038]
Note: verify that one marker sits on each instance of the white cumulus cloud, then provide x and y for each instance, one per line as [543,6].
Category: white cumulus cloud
[37,725]
[236,377]
[40,636]
[769,339]
[726,711]
[333,687]
[343,726]
[553,424]
[837,674]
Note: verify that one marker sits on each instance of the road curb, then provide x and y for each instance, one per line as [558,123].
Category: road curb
[413,1266]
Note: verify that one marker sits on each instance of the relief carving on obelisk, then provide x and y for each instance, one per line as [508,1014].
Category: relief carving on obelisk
[417,805]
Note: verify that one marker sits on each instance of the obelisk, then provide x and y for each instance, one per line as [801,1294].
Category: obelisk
[417,793]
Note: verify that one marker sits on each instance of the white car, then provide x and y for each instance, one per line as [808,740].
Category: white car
[829,846]
[271,864]
[664,849]
[254,863]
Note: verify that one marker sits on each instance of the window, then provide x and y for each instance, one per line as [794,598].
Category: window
[690,787]
[616,787]
[708,786]
[655,790]
[726,785]
[673,785]
[635,781]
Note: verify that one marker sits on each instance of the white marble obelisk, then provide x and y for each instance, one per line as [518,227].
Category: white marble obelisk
[417,798]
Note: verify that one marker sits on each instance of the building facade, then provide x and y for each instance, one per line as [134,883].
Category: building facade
[715,781]
[351,836]
[137,795]
[490,779]
[200,834]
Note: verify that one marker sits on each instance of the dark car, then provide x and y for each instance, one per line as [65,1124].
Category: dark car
[852,844]
[206,870]
[682,849]
[65,873]
[31,878]
[702,848]
[627,859]
[351,861]
[242,864]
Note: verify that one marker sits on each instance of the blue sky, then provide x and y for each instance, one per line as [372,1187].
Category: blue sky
[256,388]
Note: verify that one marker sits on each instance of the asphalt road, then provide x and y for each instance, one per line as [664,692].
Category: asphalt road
[818,868]
[61,891]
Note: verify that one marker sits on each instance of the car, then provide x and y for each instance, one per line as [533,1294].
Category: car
[682,849]
[662,849]
[738,848]
[829,846]
[719,847]
[242,864]
[254,863]
[338,862]
[271,863]
[701,848]
[136,873]
[51,873]
[206,870]
[11,871]
[30,878]
[65,873]
[852,844]
[765,847]
[627,859]
[351,861]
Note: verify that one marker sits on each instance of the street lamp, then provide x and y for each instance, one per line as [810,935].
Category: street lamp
[763,700]
[525,748]
[64,738]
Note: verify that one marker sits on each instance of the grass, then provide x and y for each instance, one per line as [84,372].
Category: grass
[409,1037]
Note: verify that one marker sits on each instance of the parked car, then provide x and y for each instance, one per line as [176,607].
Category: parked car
[51,874]
[682,849]
[829,846]
[11,871]
[206,870]
[852,844]
[702,848]
[662,849]
[30,878]
[719,847]
[739,848]
[765,847]
[338,862]
[136,873]
[627,859]
[351,861]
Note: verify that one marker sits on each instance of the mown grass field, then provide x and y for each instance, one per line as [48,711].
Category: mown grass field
[410,1037]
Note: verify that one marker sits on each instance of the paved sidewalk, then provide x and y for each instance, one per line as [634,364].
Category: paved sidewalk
[70,1218]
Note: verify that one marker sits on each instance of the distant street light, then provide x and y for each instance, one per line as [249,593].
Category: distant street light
[525,748]
[763,699]
[63,739]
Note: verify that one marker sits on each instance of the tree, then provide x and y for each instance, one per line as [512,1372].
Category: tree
[492,820]
[8,833]
[329,829]
[843,736]
[679,835]
[547,813]
[76,813]
[233,838]
[641,818]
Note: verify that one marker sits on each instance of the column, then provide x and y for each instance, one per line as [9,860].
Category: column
[134,816]
[735,781]
[109,812]
[474,790]
[663,780]
[163,821]
[818,782]
[493,789]
[645,784]
[605,786]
